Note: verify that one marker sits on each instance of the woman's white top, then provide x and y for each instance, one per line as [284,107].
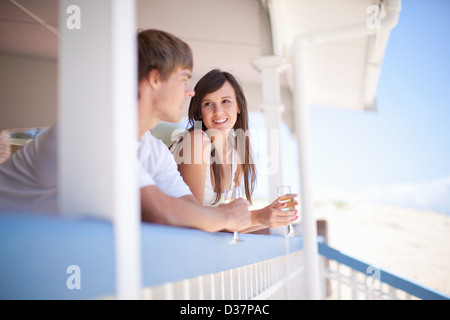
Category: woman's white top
[209,195]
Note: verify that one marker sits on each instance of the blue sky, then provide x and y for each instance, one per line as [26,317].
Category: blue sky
[402,150]
[400,154]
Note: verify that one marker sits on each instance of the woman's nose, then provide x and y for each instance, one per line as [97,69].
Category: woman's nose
[217,108]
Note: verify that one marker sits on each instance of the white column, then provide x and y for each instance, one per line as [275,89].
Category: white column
[98,124]
[310,246]
[270,68]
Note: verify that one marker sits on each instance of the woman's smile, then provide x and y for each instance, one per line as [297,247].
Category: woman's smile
[220,121]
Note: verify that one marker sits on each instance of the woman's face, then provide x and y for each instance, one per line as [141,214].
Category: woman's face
[220,108]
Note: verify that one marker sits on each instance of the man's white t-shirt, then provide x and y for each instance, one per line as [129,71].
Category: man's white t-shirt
[28,179]
[158,167]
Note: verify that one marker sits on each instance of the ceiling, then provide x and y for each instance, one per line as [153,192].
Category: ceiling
[229,34]
[20,34]
[229,29]
[337,70]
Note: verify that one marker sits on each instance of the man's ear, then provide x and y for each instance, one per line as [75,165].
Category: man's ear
[154,78]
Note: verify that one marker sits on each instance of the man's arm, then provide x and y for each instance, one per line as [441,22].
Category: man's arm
[158,207]
[191,198]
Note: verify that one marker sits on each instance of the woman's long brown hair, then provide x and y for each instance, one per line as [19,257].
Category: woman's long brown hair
[211,82]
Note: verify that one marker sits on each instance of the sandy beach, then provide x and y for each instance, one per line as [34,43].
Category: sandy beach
[410,243]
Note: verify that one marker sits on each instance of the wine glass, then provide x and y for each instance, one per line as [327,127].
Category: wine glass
[232,194]
[285,196]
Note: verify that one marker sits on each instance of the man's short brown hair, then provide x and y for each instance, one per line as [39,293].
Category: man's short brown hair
[162,51]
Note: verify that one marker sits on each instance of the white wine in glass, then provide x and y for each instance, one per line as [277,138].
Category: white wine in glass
[232,194]
[285,195]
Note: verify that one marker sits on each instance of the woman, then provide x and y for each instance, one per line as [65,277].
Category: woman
[216,153]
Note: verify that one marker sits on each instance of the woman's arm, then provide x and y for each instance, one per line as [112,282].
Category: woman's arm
[196,148]
[271,216]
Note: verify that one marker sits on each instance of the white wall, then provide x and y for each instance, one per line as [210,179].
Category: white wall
[28,91]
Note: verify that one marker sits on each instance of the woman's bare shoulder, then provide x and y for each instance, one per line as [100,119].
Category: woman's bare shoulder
[196,136]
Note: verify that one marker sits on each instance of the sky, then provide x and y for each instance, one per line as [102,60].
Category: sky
[400,154]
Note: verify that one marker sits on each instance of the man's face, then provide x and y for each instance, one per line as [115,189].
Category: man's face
[173,94]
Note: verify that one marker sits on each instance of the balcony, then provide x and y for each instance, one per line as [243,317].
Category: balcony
[46,257]
[79,258]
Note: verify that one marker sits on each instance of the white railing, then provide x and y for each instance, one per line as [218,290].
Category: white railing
[346,283]
[277,278]
[47,257]
[210,268]
[352,279]
[59,258]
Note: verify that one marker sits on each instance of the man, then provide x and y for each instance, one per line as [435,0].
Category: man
[165,67]
[28,179]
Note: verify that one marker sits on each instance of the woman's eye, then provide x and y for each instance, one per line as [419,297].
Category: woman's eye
[225,101]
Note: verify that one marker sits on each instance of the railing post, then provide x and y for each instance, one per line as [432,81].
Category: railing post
[310,246]
[98,124]
[270,68]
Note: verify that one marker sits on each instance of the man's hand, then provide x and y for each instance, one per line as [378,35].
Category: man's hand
[238,216]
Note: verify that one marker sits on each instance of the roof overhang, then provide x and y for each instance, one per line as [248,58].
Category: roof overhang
[343,43]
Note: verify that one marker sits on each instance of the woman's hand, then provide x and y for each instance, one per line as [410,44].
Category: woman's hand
[273,216]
